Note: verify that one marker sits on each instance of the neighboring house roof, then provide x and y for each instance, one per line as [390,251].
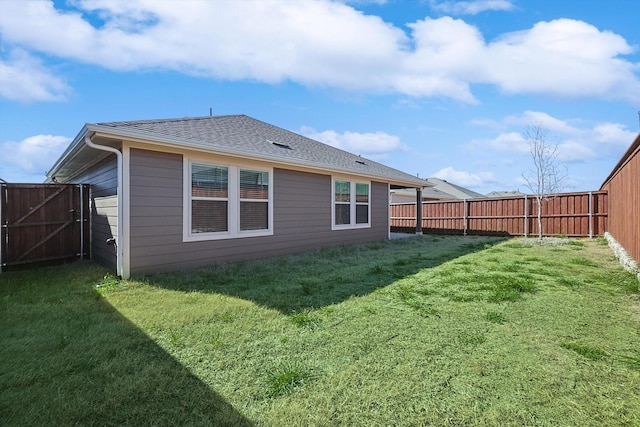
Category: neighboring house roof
[436,189]
[513,193]
[234,135]
[455,191]
[428,193]
[436,193]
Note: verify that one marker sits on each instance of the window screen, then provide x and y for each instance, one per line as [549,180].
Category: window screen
[351,204]
[342,199]
[208,216]
[254,184]
[209,181]
[254,200]
[362,203]
[342,191]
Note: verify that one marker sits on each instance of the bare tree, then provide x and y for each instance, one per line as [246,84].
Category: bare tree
[548,176]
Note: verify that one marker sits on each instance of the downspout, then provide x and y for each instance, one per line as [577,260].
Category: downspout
[120,238]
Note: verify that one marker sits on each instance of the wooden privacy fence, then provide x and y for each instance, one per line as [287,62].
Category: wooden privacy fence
[623,187]
[43,223]
[568,214]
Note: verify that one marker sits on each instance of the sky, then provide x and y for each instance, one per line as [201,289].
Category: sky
[435,88]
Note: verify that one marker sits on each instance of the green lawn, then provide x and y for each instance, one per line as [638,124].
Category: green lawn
[420,331]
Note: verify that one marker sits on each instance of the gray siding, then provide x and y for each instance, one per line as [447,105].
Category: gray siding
[302,218]
[103,178]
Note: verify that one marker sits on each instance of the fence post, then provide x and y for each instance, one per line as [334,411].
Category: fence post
[464,217]
[526,219]
[591,214]
[418,211]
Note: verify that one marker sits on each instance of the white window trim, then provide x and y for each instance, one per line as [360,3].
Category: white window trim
[233,231]
[353,203]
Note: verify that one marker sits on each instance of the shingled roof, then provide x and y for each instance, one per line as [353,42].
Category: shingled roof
[454,190]
[244,136]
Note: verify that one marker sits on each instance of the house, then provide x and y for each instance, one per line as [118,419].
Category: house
[429,194]
[435,189]
[180,193]
[505,194]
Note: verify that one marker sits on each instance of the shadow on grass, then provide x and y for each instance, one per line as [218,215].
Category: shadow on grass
[324,277]
[69,358]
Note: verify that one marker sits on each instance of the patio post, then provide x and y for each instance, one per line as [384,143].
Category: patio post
[418,210]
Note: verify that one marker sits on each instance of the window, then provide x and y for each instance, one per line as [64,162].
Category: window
[209,199]
[254,200]
[224,201]
[362,203]
[350,204]
[342,203]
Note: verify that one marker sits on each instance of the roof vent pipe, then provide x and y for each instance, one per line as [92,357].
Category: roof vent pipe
[119,241]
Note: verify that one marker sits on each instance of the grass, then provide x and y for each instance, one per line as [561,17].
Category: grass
[495,317]
[285,379]
[421,331]
[588,352]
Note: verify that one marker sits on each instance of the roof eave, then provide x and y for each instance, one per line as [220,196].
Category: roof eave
[69,153]
[161,140]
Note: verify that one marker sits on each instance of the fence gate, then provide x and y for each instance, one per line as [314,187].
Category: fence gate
[43,223]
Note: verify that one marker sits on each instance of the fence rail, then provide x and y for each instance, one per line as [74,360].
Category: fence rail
[570,214]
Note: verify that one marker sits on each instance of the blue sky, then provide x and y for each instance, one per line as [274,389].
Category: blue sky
[434,88]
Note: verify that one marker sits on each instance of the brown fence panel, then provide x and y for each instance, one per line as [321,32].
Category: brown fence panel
[495,216]
[623,186]
[43,223]
[404,215]
[571,214]
[568,214]
[443,217]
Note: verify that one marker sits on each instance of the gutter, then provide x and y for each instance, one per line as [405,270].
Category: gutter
[120,238]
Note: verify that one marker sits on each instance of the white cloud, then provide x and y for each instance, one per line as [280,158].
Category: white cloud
[308,42]
[577,141]
[506,142]
[25,79]
[563,57]
[614,134]
[575,151]
[538,118]
[446,53]
[328,44]
[369,143]
[34,155]
[358,2]
[471,7]
[465,179]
